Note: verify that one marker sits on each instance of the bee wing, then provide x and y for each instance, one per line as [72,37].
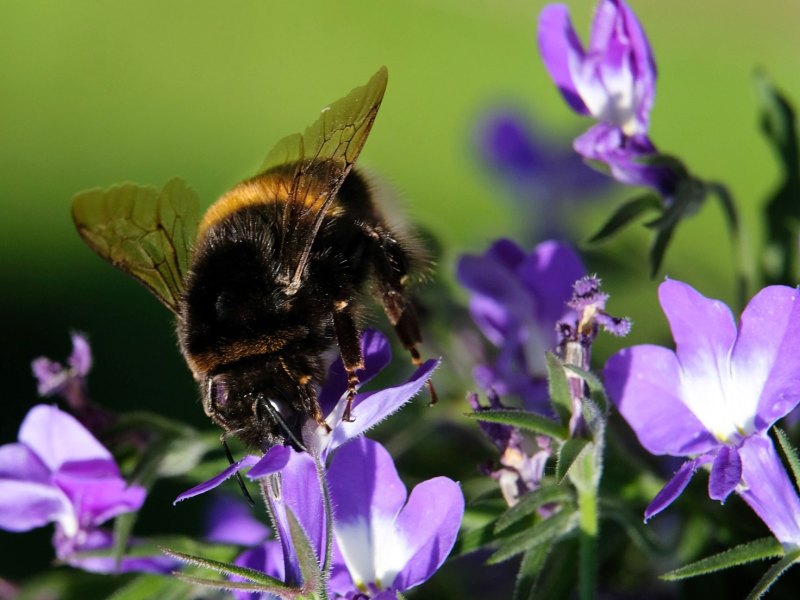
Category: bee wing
[313,167]
[145,232]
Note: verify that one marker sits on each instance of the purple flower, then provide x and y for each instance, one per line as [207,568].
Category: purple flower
[716,396]
[538,171]
[614,82]
[516,300]
[68,381]
[59,473]
[387,541]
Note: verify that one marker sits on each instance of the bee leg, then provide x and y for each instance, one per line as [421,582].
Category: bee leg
[350,348]
[391,270]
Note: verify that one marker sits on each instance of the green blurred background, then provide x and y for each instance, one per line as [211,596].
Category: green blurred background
[95,93]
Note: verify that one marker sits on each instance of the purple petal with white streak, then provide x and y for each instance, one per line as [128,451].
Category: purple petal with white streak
[370,408]
[643,382]
[25,505]
[765,355]
[704,329]
[562,53]
[431,519]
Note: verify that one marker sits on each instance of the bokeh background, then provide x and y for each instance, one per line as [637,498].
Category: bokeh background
[94,93]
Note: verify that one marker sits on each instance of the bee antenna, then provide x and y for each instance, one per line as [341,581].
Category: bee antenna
[276,416]
[228,454]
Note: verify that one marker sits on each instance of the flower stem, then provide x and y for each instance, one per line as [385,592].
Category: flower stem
[741,262]
[587,552]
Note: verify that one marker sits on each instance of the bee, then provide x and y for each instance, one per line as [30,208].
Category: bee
[272,276]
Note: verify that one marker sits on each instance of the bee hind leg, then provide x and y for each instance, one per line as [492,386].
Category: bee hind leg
[347,336]
[391,271]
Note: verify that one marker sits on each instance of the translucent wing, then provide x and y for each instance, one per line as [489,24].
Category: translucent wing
[143,231]
[308,169]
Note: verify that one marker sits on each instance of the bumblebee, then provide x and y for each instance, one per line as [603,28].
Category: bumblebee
[272,276]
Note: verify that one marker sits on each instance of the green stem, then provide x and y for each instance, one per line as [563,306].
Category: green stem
[587,553]
[741,268]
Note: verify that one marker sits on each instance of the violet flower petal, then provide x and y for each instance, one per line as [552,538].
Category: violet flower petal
[549,272]
[300,491]
[244,462]
[431,518]
[370,408]
[626,158]
[57,437]
[267,558]
[383,542]
[674,486]
[81,358]
[726,473]
[764,361]
[230,521]
[643,381]
[377,354]
[562,53]
[274,459]
[101,540]
[98,499]
[768,490]
[704,329]
[26,505]
[19,462]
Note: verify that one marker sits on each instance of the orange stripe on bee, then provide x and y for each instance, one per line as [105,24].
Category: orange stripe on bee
[231,352]
[267,189]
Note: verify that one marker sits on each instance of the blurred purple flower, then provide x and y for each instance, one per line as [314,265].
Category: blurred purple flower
[715,398]
[613,82]
[69,382]
[387,541]
[230,521]
[538,171]
[516,301]
[59,473]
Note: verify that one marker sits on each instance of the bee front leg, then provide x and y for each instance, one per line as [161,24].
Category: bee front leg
[347,336]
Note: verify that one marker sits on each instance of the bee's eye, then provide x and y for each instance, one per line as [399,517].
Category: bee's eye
[284,410]
[218,391]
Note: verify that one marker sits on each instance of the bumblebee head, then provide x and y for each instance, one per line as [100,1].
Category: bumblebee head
[259,403]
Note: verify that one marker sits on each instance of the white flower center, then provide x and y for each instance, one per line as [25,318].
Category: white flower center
[723,399]
[374,552]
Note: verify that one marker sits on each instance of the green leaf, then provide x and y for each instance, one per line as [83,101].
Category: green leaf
[568,454]
[529,571]
[313,581]
[688,199]
[772,575]
[226,569]
[148,586]
[279,590]
[474,539]
[532,501]
[791,455]
[523,420]
[738,555]
[123,527]
[558,387]
[546,531]
[626,213]
[779,125]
